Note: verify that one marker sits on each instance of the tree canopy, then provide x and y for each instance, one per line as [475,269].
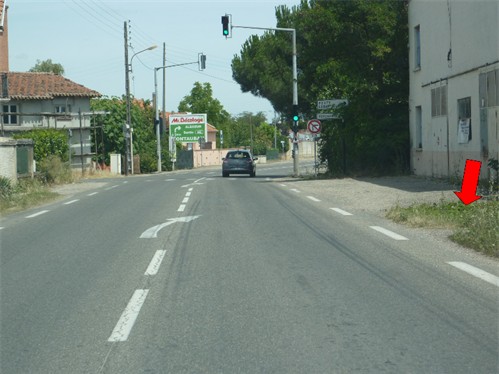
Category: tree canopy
[111,138]
[355,50]
[47,66]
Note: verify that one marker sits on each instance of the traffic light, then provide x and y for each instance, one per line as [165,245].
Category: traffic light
[202,61]
[225,26]
[296,118]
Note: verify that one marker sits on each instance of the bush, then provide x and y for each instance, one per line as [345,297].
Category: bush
[474,225]
[6,189]
[48,142]
[53,170]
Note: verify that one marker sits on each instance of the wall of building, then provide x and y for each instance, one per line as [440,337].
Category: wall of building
[38,114]
[11,160]
[4,44]
[8,159]
[459,41]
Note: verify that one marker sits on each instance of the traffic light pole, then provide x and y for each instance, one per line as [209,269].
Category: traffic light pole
[295,89]
[202,64]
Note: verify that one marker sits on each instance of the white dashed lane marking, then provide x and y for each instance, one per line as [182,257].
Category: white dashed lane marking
[155,263]
[128,317]
[341,211]
[479,273]
[389,233]
[37,214]
[313,199]
[71,202]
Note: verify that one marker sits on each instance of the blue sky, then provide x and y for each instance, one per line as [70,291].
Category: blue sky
[87,38]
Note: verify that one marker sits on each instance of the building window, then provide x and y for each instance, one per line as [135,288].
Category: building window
[439,101]
[489,89]
[464,124]
[417,47]
[9,118]
[419,128]
[62,109]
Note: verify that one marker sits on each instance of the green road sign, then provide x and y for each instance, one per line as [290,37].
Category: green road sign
[188,128]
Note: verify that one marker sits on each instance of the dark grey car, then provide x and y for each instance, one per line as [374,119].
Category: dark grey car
[239,162]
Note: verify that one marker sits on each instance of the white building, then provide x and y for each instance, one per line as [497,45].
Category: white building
[454,85]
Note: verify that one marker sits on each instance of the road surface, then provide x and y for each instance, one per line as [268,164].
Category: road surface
[189,272]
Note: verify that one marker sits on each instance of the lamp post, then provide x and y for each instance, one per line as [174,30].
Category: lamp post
[128,125]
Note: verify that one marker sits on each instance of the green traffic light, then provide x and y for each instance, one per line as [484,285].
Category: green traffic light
[295,118]
[226,32]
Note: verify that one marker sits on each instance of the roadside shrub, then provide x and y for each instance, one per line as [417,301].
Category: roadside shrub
[47,143]
[148,163]
[53,170]
[474,226]
[6,188]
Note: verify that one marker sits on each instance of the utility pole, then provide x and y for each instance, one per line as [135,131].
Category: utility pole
[127,90]
[163,108]
[156,120]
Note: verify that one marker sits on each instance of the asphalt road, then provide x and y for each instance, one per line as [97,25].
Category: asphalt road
[189,272]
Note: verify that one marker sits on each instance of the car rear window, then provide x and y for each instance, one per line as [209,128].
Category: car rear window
[238,155]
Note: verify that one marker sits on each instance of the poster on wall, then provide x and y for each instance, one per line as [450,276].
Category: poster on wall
[464,130]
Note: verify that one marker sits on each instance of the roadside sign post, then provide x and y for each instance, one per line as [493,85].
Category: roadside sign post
[333,104]
[314,126]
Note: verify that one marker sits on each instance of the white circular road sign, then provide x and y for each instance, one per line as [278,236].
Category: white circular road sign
[314,126]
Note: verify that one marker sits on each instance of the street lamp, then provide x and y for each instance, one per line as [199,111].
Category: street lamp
[128,70]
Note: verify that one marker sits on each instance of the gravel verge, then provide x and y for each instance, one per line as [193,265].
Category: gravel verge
[378,195]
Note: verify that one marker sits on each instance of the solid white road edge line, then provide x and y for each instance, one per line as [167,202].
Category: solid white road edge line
[37,214]
[155,263]
[479,273]
[341,211]
[389,233]
[128,317]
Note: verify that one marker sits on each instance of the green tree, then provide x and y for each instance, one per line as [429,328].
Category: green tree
[47,66]
[355,50]
[201,100]
[109,135]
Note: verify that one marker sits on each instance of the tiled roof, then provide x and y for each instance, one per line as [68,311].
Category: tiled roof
[37,86]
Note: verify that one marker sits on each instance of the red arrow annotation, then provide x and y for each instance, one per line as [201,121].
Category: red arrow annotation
[470,182]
